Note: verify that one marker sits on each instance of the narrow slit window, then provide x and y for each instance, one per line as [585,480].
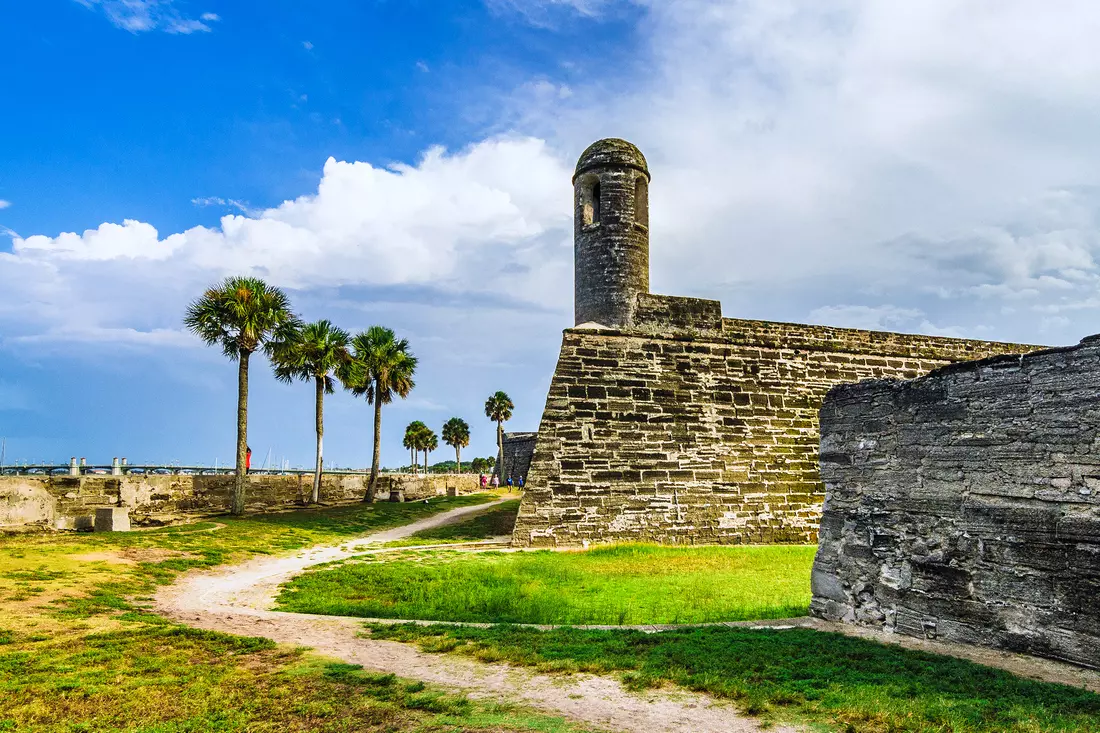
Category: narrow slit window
[641,201]
[590,203]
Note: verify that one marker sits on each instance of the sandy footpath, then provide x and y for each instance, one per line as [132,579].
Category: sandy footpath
[235,599]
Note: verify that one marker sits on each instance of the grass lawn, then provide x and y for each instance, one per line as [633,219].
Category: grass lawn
[78,652]
[495,522]
[622,584]
[833,682]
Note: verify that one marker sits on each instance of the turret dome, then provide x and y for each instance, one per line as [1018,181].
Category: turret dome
[611,153]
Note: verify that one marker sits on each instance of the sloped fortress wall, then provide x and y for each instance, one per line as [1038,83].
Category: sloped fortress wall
[700,437]
[667,423]
[966,505]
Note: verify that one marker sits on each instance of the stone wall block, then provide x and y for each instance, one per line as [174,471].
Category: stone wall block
[1000,531]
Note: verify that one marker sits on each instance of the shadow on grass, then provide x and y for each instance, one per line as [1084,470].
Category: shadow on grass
[796,675]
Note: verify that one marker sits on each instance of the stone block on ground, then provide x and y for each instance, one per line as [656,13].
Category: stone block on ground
[397,495]
[112,519]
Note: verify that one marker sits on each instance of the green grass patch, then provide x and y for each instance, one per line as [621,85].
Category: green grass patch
[79,652]
[622,584]
[496,522]
[795,675]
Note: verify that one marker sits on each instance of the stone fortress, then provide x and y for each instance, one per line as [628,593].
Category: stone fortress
[666,422]
[964,506]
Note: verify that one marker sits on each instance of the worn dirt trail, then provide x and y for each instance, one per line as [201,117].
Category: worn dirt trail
[236,600]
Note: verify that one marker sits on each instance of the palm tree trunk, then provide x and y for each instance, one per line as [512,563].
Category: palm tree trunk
[458,459]
[237,506]
[372,485]
[500,451]
[316,498]
[425,461]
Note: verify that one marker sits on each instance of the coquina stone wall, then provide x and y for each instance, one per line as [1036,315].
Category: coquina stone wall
[66,502]
[965,505]
[519,448]
[690,428]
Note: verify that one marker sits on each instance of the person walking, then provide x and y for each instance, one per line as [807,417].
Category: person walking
[481,478]
[521,482]
[510,483]
[496,481]
[247,460]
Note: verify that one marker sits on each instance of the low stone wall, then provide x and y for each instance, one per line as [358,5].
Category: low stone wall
[965,505]
[68,502]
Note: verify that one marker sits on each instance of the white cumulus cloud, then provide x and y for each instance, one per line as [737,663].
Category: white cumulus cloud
[920,153]
[493,217]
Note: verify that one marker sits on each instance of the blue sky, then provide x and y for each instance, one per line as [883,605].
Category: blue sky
[925,167]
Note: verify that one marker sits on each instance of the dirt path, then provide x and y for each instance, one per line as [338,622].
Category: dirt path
[235,600]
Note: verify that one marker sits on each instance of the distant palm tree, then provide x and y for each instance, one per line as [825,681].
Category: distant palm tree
[410,443]
[498,408]
[429,442]
[414,437]
[382,369]
[313,352]
[456,433]
[240,314]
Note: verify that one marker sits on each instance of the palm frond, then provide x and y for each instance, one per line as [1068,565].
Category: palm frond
[498,407]
[240,314]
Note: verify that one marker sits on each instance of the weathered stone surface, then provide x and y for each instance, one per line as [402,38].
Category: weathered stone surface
[611,232]
[700,436]
[70,502]
[965,505]
[519,448]
[25,500]
[112,519]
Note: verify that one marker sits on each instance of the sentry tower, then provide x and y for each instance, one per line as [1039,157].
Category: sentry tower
[610,232]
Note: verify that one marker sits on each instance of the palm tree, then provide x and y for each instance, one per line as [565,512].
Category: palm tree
[414,441]
[313,353]
[498,408]
[382,368]
[410,443]
[240,314]
[456,433]
[429,442]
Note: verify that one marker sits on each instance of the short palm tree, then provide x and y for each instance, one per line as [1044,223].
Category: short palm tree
[498,408]
[456,433]
[240,314]
[429,441]
[382,368]
[414,436]
[313,352]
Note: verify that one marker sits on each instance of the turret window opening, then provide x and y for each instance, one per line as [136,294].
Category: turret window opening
[641,201]
[590,202]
